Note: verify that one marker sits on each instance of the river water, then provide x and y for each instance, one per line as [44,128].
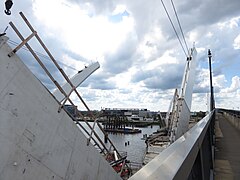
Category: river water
[136,148]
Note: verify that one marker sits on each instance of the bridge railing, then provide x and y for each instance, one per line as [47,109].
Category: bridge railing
[233,116]
[189,157]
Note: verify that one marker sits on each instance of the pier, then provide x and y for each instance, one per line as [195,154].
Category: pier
[117,124]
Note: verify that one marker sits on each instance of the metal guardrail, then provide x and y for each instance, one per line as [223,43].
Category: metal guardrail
[235,113]
[233,116]
[189,157]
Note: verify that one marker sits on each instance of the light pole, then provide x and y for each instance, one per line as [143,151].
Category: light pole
[212,103]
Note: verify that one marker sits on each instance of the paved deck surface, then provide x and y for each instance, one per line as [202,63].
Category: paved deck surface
[227,151]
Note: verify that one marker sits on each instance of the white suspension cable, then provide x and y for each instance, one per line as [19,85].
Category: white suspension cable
[174,28]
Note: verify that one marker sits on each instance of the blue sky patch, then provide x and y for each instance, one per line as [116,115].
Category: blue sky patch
[116,18]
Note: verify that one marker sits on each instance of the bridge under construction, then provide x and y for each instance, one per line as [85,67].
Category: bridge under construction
[40,140]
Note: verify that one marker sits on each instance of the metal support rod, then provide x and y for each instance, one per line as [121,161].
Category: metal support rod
[108,138]
[22,44]
[102,150]
[62,72]
[52,58]
[55,62]
[39,61]
[67,98]
[123,164]
[77,122]
[90,137]
[96,135]
[64,75]
[57,84]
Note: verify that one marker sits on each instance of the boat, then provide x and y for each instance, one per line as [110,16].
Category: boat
[135,118]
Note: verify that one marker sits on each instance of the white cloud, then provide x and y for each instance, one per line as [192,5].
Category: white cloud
[232,23]
[119,9]
[88,36]
[209,34]
[140,56]
[201,49]
[193,36]
[148,48]
[202,80]
[235,85]
[236,43]
[219,81]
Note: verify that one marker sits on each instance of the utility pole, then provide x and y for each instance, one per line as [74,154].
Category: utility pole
[212,103]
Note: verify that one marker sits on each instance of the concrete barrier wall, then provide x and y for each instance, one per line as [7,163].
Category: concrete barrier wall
[233,119]
[37,142]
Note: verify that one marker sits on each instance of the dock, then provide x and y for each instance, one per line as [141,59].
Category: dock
[123,130]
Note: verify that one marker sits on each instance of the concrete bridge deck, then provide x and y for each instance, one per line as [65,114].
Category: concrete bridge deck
[227,150]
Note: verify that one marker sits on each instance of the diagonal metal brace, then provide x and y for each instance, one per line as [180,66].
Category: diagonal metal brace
[22,44]
[67,98]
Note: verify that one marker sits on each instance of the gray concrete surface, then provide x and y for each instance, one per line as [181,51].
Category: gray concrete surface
[227,150]
[37,142]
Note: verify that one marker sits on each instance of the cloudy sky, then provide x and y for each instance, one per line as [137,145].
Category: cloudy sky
[140,56]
